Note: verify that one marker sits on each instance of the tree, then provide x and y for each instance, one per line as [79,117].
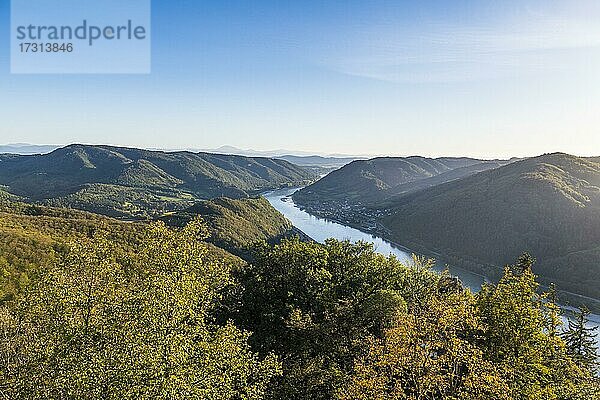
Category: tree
[316,306]
[580,341]
[105,324]
[519,336]
[433,355]
[501,343]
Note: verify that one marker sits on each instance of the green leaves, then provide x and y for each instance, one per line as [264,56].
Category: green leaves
[317,306]
[104,324]
[580,341]
[499,344]
[163,317]
[429,356]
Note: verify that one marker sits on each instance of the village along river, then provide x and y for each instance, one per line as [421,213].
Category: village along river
[320,229]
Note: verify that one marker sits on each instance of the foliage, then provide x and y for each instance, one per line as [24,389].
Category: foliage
[521,336]
[96,308]
[429,355]
[33,237]
[104,324]
[500,344]
[237,224]
[316,306]
[580,342]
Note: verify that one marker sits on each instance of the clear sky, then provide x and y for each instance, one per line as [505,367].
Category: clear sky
[479,78]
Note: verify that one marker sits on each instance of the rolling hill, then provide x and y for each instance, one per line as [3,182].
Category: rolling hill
[548,206]
[236,224]
[32,237]
[369,181]
[126,182]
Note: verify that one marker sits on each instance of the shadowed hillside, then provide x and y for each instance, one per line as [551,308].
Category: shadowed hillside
[364,182]
[548,206]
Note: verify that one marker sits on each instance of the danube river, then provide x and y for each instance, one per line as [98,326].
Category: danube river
[320,229]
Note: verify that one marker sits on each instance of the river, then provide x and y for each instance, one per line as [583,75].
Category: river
[320,229]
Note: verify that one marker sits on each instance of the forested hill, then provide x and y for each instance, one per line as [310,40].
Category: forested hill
[128,182]
[368,181]
[32,236]
[236,224]
[548,206]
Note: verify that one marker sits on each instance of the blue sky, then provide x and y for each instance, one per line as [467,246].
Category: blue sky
[435,78]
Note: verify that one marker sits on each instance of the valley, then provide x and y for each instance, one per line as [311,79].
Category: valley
[321,228]
[209,258]
[548,206]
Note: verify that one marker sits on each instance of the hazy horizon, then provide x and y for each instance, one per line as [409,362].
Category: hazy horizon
[471,78]
[292,152]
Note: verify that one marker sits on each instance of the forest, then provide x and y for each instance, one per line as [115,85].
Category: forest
[140,184]
[95,308]
[300,200]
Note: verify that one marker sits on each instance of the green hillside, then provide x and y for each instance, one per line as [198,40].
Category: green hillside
[5,197]
[126,182]
[368,181]
[32,237]
[303,321]
[548,206]
[237,224]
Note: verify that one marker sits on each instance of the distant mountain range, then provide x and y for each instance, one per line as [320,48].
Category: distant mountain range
[307,159]
[27,149]
[295,157]
[277,153]
[317,161]
[478,214]
[127,182]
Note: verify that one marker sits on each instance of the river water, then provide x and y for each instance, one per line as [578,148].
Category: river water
[320,229]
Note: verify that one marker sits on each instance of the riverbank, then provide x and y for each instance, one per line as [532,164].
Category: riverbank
[320,229]
[384,234]
[367,221]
